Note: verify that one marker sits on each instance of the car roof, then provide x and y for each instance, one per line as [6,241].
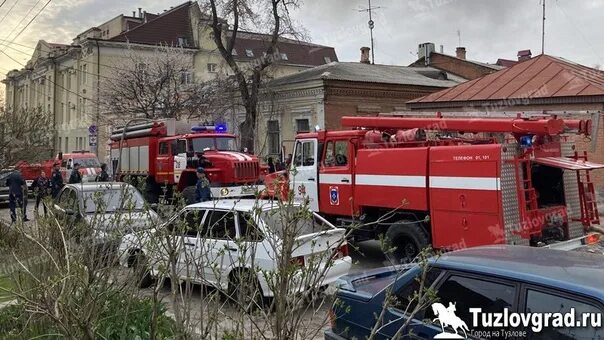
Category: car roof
[96,186]
[574,271]
[246,204]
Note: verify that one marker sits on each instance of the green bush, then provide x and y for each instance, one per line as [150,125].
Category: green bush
[122,317]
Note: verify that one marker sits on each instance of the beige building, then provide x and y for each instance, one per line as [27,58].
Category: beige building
[64,79]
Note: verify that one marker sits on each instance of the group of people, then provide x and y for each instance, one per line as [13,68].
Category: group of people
[43,187]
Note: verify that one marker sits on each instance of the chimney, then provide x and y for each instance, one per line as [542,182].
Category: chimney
[145,15]
[140,12]
[442,49]
[460,53]
[134,14]
[424,50]
[365,55]
[524,55]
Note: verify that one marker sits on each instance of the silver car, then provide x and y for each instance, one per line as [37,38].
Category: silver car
[103,212]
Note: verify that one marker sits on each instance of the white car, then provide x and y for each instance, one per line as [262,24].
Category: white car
[222,240]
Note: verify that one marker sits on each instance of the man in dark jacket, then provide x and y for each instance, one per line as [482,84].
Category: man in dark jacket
[56,180]
[202,189]
[41,187]
[103,176]
[75,176]
[17,195]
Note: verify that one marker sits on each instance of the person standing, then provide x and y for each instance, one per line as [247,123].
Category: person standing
[56,180]
[103,176]
[202,188]
[42,189]
[271,165]
[17,195]
[75,176]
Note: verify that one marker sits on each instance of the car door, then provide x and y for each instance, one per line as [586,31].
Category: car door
[305,174]
[540,300]
[67,206]
[190,265]
[336,178]
[455,294]
[218,250]
[180,158]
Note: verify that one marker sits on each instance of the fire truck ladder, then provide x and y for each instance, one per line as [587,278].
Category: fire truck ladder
[527,195]
[587,196]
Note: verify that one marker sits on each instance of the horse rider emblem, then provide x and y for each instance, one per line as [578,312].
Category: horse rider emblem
[446,318]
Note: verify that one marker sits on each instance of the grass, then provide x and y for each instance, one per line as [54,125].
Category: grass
[6,284]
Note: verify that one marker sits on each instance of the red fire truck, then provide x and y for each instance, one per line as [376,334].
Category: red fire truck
[89,166]
[167,153]
[449,182]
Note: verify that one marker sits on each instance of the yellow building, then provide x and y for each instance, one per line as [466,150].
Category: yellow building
[64,79]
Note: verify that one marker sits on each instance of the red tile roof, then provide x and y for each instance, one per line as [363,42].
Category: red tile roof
[296,52]
[165,28]
[541,77]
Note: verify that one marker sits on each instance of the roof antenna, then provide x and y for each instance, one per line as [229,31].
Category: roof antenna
[371,25]
[543,29]
[458,37]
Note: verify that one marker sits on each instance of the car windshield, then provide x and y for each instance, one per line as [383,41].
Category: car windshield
[112,200]
[214,143]
[87,162]
[295,219]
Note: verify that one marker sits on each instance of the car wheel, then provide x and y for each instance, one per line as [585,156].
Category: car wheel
[189,194]
[405,240]
[245,291]
[140,268]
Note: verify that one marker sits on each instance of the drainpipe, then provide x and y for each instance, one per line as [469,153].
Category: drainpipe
[54,105]
[98,92]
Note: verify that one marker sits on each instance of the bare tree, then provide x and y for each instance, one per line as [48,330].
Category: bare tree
[154,85]
[273,17]
[25,135]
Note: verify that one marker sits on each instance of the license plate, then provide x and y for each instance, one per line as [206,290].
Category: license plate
[248,190]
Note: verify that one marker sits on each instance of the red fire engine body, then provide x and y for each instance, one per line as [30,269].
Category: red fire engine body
[168,152]
[89,166]
[423,181]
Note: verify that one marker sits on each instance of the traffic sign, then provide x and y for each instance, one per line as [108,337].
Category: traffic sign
[92,130]
[92,140]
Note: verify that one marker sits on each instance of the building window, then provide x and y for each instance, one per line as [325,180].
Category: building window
[327,60]
[186,77]
[83,106]
[66,144]
[249,53]
[60,144]
[284,56]
[302,125]
[68,80]
[84,74]
[272,128]
[212,68]
[182,41]
[68,118]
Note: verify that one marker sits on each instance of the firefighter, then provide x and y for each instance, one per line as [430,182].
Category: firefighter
[17,195]
[42,187]
[271,165]
[75,176]
[56,180]
[202,188]
[103,176]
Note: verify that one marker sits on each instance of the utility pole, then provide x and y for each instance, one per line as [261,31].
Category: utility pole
[543,30]
[371,25]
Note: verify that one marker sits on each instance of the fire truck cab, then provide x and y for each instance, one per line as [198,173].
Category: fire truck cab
[449,183]
[166,154]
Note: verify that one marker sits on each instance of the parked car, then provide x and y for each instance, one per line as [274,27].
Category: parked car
[3,187]
[223,240]
[492,278]
[103,212]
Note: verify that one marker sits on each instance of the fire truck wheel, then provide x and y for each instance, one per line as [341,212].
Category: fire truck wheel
[405,240]
[189,194]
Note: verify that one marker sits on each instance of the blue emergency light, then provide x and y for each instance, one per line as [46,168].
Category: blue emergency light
[204,128]
[526,141]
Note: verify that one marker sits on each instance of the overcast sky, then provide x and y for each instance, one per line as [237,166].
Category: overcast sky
[489,29]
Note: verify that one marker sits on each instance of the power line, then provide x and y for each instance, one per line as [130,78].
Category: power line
[22,19]
[9,10]
[32,20]
[2,3]
[14,49]
[14,43]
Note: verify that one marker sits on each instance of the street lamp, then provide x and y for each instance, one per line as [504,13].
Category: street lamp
[125,128]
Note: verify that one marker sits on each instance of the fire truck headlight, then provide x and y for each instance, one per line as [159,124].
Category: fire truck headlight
[224,192]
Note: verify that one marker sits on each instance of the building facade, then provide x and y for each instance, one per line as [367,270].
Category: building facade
[64,80]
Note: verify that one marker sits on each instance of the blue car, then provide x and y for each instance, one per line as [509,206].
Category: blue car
[492,292]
